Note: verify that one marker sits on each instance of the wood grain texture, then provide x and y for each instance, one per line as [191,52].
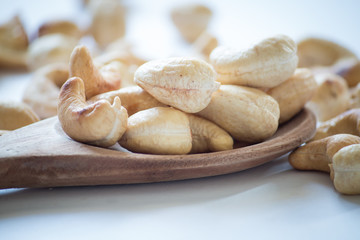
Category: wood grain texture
[42,155]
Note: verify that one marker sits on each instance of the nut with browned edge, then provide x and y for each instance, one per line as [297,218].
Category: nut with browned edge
[101,123]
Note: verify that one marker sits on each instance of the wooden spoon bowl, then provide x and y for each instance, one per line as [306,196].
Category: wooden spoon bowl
[42,155]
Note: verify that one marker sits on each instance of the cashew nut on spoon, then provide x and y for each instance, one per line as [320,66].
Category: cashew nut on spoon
[100,123]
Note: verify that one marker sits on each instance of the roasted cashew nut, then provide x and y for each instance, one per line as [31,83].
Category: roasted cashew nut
[82,66]
[50,48]
[13,44]
[184,83]
[207,136]
[42,92]
[331,98]
[60,26]
[264,64]
[158,130]
[345,170]
[317,155]
[191,20]
[108,22]
[247,114]
[100,123]
[294,93]
[347,122]
[315,52]
[15,115]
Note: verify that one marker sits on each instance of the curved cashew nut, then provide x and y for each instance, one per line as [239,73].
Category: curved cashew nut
[50,48]
[317,155]
[314,52]
[100,123]
[82,66]
[15,115]
[60,26]
[42,92]
[347,122]
[331,98]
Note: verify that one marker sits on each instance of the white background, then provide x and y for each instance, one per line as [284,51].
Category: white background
[272,201]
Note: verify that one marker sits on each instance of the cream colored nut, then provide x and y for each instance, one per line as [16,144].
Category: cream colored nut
[108,21]
[317,155]
[354,97]
[345,170]
[51,48]
[347,122]
[120,50]
[248,114]
[265,64]
[15,115]
[191,20]
[13,44]
[349,69]
[331,97]
[207,136]
[294,93]
[205,44]
[183,83]
[64,27]
[101,123]
[314,52]
[42,92]
[133,98]
[159,130]
[82,66]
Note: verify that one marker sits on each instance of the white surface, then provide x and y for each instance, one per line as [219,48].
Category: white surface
[272,201]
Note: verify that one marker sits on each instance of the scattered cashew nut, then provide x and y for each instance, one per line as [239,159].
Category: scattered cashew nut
[345,170]
[50,48]
[315,52]
[191,20]
[317,154]
[108,21]
[13,44]
[15,115]
[64,27]
[347,122]
[42,92]
[331,98]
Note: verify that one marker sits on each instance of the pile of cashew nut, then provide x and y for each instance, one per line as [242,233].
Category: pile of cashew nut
[182,105]
[335,148]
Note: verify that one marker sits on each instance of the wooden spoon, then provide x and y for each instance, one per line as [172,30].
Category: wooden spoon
[42,155]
